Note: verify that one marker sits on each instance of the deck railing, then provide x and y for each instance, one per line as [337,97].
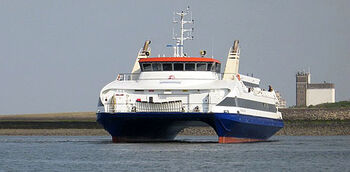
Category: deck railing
[171,106]
[143,106]
[128,76]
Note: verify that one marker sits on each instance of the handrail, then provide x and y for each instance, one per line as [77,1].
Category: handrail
[171,106]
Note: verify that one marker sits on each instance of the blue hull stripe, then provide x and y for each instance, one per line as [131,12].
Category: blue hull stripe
[165,125]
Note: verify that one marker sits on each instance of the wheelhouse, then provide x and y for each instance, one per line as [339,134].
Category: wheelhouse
[179,64]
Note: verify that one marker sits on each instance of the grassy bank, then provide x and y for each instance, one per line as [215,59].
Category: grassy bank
[336,105]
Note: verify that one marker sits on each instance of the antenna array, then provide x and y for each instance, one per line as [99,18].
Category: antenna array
[185,34]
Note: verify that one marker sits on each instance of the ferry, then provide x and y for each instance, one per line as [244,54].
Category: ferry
[163,95]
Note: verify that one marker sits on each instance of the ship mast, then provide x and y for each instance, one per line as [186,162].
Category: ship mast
[185,34]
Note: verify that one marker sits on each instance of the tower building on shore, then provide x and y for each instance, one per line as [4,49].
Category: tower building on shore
[312,94]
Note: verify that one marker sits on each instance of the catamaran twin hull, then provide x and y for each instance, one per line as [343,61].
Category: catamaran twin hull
[164,95]
[164,126]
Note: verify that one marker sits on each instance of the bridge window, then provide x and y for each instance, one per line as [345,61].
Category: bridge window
[218,67]
[190,67]
[181,66]
[167,67]
[147,67]
[178,66]
[201,67]
[210,65]
[157,67]
[213,68]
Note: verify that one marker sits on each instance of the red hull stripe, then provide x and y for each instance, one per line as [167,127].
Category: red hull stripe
[237,140]
[178,59]
[118,140]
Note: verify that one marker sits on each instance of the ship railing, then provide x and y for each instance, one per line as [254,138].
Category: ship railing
[221,75]
[128,76]
[170,106]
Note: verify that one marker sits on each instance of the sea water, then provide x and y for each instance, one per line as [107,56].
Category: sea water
[188,153]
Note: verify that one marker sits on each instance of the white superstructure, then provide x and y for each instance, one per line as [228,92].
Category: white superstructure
[188,84]
[232,62]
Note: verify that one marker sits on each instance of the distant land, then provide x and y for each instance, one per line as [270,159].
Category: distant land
[325,119]
[68,116]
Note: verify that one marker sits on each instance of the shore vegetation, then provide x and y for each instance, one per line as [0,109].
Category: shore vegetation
[336,105]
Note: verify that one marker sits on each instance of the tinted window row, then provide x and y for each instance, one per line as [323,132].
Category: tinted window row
[180,66]
[239,102]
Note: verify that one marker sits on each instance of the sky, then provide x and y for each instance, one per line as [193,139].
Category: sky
[55,56]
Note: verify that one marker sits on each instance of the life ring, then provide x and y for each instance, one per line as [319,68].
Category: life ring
[171,77]
[238,77]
